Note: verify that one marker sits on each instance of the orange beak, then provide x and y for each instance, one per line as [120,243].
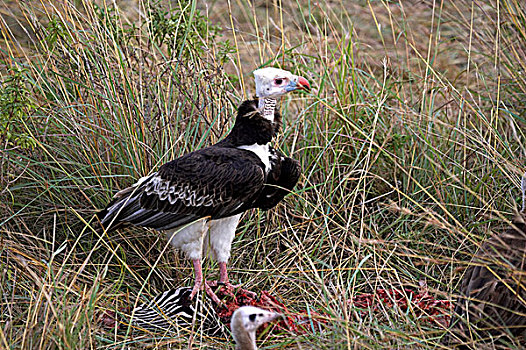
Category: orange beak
[303,84]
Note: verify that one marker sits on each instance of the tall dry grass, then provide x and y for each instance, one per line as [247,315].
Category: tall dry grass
[411,142]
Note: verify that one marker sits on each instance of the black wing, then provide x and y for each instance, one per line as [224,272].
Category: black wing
[280,181]
[212,182]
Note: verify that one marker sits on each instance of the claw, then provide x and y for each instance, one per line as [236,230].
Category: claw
[202,284]
[205,285]
[212,295]
[230,288]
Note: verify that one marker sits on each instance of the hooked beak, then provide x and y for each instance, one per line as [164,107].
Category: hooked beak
[298,84]
[271,316]
[304,84]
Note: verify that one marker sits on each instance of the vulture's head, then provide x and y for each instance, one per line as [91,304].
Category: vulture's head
[247,319]
[274,82]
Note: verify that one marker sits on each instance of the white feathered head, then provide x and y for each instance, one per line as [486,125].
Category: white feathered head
[274,82]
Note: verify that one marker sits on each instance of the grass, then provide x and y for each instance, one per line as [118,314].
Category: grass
[412,145]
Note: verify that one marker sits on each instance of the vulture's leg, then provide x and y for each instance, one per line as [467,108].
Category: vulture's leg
[223,279]
[223,273]
[201,283]
[219,240]
[189,240]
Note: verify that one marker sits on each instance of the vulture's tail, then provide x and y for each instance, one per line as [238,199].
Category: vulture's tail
[125,207]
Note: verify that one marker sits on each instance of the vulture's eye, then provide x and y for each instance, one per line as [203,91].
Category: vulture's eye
[278,81]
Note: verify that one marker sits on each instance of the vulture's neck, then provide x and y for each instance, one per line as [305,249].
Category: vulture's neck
[267,106]
[257,122]
[244,340]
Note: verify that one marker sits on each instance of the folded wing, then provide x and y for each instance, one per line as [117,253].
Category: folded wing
[212,182]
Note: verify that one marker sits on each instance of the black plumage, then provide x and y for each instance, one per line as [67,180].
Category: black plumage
[250,127]
[281,180]
[216,182]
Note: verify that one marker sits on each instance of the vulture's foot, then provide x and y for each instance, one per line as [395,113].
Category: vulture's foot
[205,286]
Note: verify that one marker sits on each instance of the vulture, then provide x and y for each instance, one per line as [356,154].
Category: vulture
[198,198]
[493,289]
